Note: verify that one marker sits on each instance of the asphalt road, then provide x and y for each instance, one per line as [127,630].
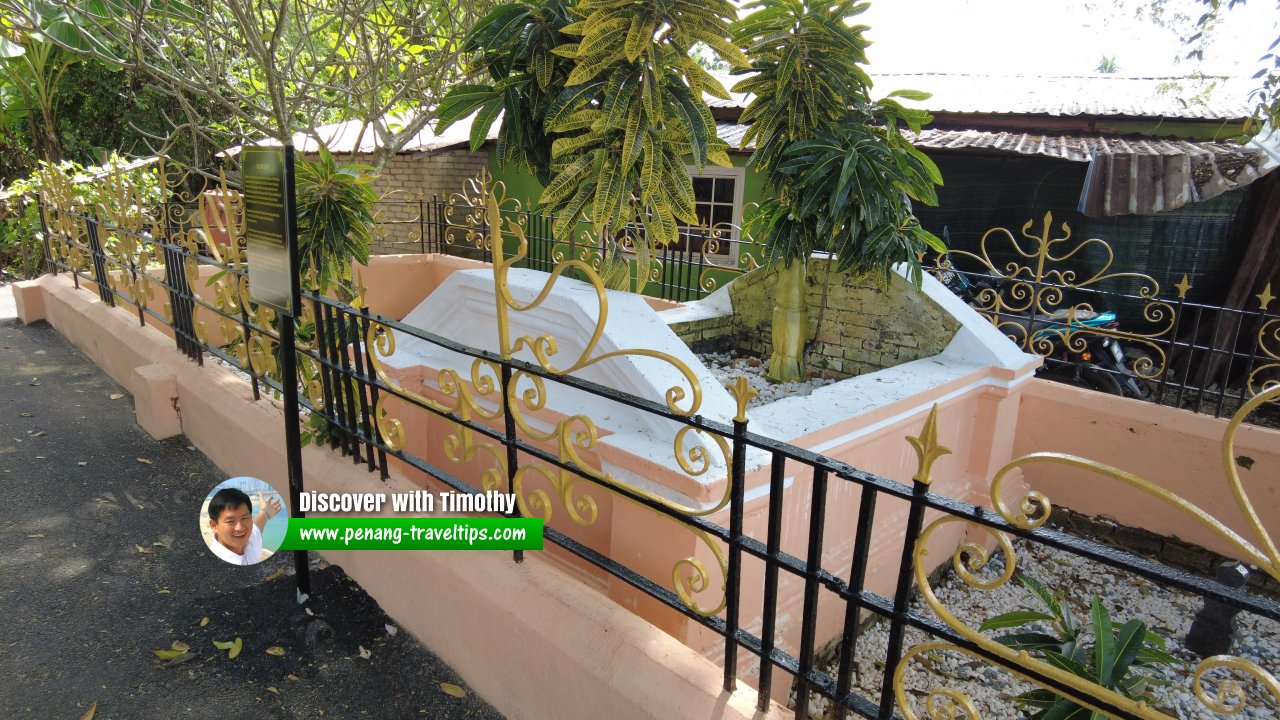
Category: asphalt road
[103,563]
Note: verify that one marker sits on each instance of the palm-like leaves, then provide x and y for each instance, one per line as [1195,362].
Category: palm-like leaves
[604,108]
[1128,659]
[516,43]
[335,218]
[839,174]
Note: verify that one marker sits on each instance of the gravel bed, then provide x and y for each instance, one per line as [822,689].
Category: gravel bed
[726,367]
[1166,611]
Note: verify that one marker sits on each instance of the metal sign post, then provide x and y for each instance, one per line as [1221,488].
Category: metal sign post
[271,233]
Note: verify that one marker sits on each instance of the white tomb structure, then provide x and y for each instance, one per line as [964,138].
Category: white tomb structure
[463,309]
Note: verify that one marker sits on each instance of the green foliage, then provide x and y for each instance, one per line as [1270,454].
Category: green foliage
[335,220]
[603,103]
[1128,659]
[234,72]
[21,239]
[838,173]
[1197,33]
[21,234]
[516,43]
[31,68]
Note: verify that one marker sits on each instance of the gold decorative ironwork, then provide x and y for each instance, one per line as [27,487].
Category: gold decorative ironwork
[60,208]
[927,447]
[1267,375]
[124,198]
[1265,297]
[742,392]
[1032,511]
[626,261]
[1184,287]
[1036,281]
[490,224]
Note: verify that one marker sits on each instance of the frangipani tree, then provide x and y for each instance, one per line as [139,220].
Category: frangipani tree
[603,103]
[839,175]
[272,69]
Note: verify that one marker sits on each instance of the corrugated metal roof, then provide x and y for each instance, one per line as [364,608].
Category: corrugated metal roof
[1074,96]
[341,138]
[1095,95]
[1077,148]
[1127,175]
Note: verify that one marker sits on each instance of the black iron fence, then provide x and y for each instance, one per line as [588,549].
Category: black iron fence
[1119,332]
[701,261]
[809,570]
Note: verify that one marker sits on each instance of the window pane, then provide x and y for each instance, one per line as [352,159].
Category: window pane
[722,215]
[702,189]
[704,213]
[723,190]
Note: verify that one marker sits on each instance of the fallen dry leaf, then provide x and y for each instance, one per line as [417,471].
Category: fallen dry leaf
[179,645]
[93,710]
[275,650]
[185,657]
[42,433]
[169,654]
[26,414]
[454,690]
[116,396]
[223,644]
[204,621]
[164,591]
[392,630]
[273,690]
[144,461]
[292,677]
[275,575]
[37,535]
[235,649]
[365,654]
[143,550]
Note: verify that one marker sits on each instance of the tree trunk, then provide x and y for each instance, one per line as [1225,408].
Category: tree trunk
[790,324]
[1259,267]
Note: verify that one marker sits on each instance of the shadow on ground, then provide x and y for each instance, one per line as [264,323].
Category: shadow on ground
[103,563]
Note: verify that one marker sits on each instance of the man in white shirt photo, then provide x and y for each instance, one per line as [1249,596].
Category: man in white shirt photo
[237,533]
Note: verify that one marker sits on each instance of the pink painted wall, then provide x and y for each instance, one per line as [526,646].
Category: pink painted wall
[1178,450]
[968,424]
[977,424]
[555,653]
[397,283]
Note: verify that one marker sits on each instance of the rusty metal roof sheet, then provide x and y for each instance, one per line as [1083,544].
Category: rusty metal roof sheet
[1215,98]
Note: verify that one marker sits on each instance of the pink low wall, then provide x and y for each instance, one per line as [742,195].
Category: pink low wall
[1176,449]
[976,420]
[977,414]
[557,653]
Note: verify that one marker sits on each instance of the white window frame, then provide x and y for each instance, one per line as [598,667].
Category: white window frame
[739,176]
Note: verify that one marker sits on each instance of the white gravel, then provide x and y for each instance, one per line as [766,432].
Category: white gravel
[726,367]
[1165,611]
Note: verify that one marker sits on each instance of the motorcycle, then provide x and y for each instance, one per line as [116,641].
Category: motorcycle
[1077,352]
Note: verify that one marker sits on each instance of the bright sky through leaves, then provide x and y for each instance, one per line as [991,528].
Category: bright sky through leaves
[1058,37]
